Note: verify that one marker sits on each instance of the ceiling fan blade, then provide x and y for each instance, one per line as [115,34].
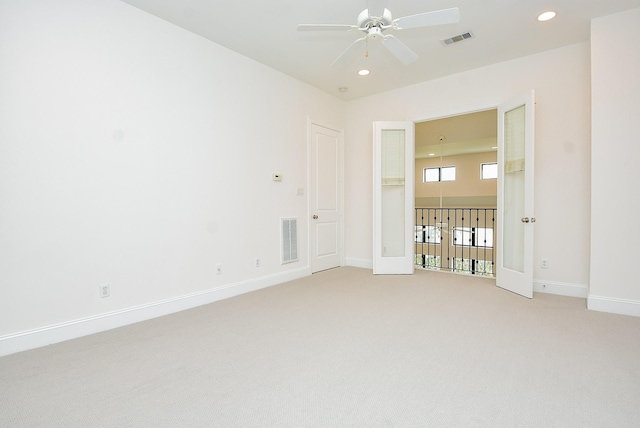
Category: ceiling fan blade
[326,27]
[352,47]
[399,49]
[376,7]
[437,17]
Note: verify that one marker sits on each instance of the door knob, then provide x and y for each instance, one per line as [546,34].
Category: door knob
[525,220]
[315,217]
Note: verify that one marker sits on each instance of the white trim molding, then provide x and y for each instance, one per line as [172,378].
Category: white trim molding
[560,288]
[614,305]
[48,335]
[359,263]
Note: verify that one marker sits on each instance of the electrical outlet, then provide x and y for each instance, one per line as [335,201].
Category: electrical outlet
[104,290]
[218,269]
[257,261]
[544,264]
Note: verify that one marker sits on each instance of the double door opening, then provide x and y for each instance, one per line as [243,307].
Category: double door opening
[394,197]
[456,193]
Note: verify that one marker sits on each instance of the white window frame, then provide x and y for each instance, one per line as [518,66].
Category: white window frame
[440,173]
[482,165]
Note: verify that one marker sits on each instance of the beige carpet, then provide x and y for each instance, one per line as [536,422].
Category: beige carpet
[342,349]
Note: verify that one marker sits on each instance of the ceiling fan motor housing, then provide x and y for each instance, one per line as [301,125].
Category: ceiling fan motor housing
[374,33]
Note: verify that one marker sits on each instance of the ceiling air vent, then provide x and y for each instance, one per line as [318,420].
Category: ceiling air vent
[456,39]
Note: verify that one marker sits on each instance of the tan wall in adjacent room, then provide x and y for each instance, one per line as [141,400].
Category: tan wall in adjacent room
[468,190]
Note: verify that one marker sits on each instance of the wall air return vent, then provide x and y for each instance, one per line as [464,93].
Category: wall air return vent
[456,39]
[289,227]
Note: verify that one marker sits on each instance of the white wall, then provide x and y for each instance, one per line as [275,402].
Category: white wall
[561,80]
[140,155]
[615,151]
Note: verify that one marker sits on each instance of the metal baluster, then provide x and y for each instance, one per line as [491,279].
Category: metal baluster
[463,226]
[422,236]
[476,249]
[484,253]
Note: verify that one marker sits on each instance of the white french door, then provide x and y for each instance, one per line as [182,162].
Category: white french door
[325,198]
[393,197]
[514,250]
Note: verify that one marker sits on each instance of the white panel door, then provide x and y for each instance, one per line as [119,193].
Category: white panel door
[393,198]
[514,250]
[326,199]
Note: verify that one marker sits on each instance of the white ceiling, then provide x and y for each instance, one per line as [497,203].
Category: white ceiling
[265,30]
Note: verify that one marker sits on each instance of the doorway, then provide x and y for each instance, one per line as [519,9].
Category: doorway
[456,193]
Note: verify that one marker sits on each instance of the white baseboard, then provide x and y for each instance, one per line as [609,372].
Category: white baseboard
[360,263]
[48,335]
[560,288]
[613,305]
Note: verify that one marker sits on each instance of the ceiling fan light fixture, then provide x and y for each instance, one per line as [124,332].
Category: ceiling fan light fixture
[364,72]
[376,19]
[546,16]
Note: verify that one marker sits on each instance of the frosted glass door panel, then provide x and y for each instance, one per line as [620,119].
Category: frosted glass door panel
[514,190]
[393,197]
[514,252]
[392,193]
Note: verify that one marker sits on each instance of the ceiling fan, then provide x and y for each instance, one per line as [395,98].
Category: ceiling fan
[374,20]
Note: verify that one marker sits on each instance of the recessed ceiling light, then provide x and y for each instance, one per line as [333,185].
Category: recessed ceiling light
[494,147]
[363,72]
[432,154]
[545,16]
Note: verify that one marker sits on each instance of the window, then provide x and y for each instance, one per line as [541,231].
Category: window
[489,171]
[481,237]
[431,175]
[448,173]
[428,235]
[445,173]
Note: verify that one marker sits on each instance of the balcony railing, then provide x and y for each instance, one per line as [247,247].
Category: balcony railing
[459,240]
